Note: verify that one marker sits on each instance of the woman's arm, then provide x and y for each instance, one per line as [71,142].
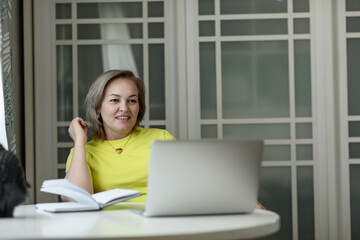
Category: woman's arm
[78,172]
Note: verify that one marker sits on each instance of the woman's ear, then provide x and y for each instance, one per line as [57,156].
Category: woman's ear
[98,114]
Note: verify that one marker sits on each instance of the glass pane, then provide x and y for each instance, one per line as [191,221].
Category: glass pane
[304,152]
[206,28]
[109,10]
[354,129]
[102,58]
[301,25]
[88,55]
[305,188]
[63,134]
[61,174]
[208,131]
[354,150]
[302,60]
[63,32]
[353,24]
[303,130]
[301,5]
[156,30]
[157,81]
[63,153]
[253,27]
[155,9]
[206,7]
[355,201]
[64,80]
[123,56]
[158,126]
[110,31]
[352,5]
[275,195]
[255,79]
[252,6]
[277,153]
[63,11]
[260,131]
[208,80]
[353,71]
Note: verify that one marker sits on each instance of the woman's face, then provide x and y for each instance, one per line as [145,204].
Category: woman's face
[119,108]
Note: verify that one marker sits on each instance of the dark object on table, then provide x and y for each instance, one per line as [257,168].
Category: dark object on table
[13,186]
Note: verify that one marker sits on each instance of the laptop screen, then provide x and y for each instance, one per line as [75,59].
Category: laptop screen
[203,177]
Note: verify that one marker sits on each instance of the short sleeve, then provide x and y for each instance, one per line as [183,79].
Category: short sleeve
[168,136]
[68,162]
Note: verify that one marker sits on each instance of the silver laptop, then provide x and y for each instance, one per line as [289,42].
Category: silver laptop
[195,177]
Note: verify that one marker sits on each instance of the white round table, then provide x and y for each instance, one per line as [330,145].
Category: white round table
[119,222]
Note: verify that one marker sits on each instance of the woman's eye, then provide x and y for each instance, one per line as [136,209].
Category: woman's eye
[113,100]
[132,101]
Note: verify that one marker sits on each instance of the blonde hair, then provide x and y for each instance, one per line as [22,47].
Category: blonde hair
[95,97]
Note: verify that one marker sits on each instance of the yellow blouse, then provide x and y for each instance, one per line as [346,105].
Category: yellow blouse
[129,169]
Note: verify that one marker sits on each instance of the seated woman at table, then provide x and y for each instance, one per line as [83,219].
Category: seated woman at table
[118,154]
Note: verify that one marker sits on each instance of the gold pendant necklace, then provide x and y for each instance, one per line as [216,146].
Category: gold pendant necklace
[119,149]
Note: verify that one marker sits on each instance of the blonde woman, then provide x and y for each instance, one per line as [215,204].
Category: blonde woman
[118,154]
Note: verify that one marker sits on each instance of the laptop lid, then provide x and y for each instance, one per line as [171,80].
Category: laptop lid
[203,177]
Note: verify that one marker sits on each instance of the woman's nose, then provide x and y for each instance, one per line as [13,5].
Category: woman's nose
[123,107]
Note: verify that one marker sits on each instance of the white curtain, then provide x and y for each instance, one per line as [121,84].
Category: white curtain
[6,105]
[116,56]
[3,135]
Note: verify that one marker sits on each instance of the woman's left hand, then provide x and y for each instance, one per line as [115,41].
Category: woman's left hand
[259,206]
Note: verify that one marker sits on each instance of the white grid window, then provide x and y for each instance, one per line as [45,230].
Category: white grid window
[349,48]
[254,79]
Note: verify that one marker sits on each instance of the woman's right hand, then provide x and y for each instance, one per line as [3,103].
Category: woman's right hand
[78,172]
[78,130]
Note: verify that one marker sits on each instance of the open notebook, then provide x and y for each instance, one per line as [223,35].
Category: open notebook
[203,177]
[84,201]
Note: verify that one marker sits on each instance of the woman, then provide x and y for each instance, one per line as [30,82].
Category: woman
[118,154]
